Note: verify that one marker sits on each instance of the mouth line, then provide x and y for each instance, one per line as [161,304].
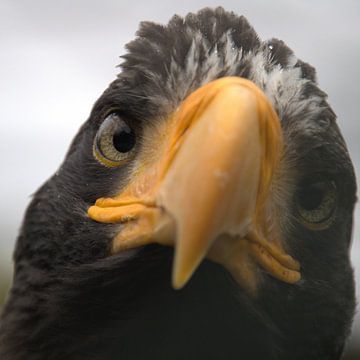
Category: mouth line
[254,249]
[147,223]
[124,201]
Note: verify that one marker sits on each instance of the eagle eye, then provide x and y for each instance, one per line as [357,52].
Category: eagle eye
[316,203]
[114,142]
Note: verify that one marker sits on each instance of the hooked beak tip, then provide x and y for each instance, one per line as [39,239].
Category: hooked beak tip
[185,263]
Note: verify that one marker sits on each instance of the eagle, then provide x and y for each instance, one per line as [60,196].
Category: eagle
[203,211]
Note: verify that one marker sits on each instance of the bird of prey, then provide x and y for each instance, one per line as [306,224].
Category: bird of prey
[203,211]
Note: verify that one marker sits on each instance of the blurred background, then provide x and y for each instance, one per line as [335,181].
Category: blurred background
[57,58]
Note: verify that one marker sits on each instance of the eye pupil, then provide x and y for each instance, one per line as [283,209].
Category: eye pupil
[123,139]
[310,198]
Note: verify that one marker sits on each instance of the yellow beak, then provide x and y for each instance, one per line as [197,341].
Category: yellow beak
[211,187]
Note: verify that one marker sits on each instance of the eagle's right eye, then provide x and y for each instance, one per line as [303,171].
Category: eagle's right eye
[316,203]
[115,141]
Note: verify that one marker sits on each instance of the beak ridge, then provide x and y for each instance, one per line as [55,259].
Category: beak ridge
[212,185]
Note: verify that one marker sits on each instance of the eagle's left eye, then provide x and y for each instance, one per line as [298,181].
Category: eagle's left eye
[316,203]
[114,142]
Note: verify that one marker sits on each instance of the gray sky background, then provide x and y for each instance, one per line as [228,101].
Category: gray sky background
[56,58]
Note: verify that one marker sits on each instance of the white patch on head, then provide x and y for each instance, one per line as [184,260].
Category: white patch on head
[182,81]
[258,71]
[284,87]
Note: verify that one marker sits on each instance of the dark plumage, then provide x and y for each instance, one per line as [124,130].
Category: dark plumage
[71,300]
